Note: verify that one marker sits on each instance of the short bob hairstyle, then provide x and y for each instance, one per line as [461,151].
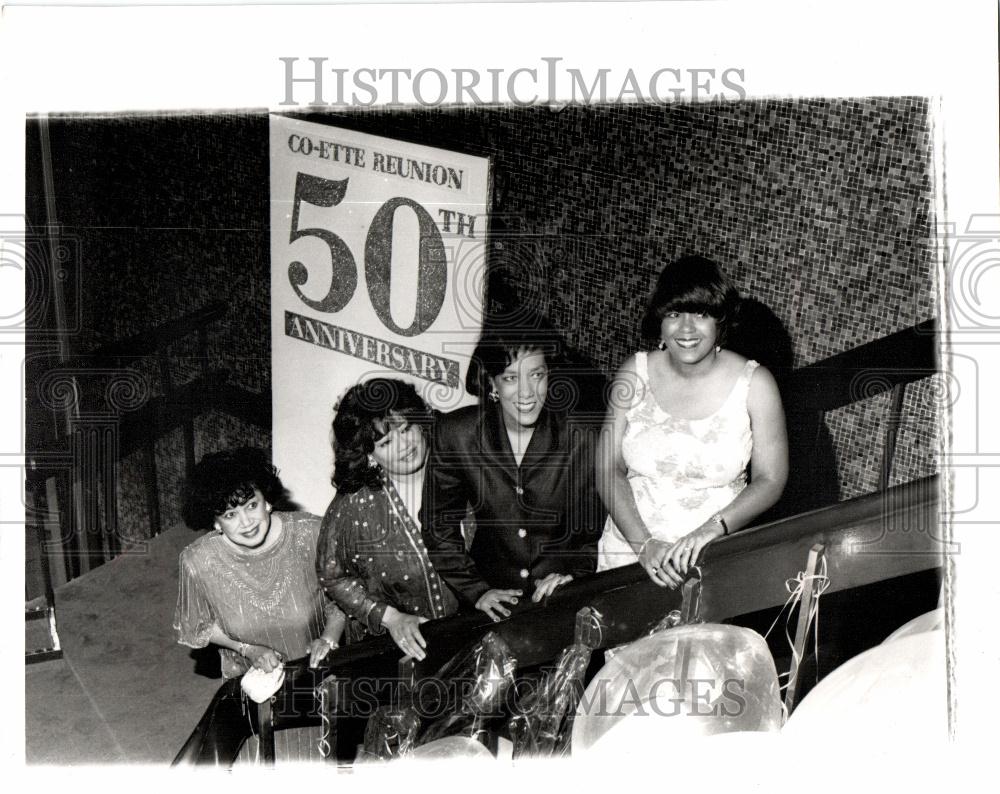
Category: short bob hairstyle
[363,416]
[500,345]
[225,479]
[692,284]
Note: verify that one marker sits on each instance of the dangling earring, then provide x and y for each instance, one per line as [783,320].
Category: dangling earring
[718,349]
[662,345]
[495,396]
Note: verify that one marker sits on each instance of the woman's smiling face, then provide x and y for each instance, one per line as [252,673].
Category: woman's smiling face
[689,336]
[247,523]
[522,388]
[403,449]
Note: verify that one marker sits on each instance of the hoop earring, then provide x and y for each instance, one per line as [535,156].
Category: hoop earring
[662,345]
[495,396]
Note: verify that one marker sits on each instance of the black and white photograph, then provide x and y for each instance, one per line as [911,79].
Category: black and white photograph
[517,400]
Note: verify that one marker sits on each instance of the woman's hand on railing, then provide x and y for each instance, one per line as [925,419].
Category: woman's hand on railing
[684,553]
[654,556]
[319,648]
[545,587]
[405,632]
[491,602]
[263,658]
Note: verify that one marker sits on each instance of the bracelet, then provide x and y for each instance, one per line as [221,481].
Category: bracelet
[243,649]
[717,518]
[331,644]
[645,543]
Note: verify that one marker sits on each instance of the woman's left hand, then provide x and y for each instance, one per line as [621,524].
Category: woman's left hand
[319,648]
[684,553]
[545,587]
[263,658]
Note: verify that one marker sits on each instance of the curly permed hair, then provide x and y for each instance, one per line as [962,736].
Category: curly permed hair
[222,480]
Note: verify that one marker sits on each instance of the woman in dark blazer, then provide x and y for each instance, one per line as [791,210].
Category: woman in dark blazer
[524,464]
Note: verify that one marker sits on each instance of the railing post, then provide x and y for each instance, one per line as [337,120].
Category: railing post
[265,738]
[589,628]
[151,482]
[691,596]
[810,593]
[891,433]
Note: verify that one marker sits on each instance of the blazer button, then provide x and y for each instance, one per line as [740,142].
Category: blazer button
[522,533]
[525,573]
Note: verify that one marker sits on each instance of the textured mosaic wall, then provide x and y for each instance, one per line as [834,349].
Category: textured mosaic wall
[818,209]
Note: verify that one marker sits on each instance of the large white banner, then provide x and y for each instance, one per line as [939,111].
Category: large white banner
[377,269]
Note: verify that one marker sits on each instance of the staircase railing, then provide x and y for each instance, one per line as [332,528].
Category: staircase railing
[72,476]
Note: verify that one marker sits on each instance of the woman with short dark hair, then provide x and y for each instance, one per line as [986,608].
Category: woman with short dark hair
[371,559]
[688,421]
[250,586]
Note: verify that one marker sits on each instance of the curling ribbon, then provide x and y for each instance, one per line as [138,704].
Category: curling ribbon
[324,718]
[796,587]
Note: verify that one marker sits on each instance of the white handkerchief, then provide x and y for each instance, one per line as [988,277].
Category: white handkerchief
[259,685]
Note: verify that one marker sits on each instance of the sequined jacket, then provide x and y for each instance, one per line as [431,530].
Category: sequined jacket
[371,555]
[541,517]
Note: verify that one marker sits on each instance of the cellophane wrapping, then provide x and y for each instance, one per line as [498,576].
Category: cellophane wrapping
[481,675]
[391,732]
[544,720]
[678,684]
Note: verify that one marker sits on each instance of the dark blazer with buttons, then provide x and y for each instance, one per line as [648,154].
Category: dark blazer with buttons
[541,517]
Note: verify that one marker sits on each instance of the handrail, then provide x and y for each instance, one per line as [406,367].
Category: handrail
[103,429]
[887,365]
[148,342]
[218,735]
[841,526]
[740,574]
[864,371]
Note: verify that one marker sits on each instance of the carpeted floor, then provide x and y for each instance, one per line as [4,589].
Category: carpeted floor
[124,691]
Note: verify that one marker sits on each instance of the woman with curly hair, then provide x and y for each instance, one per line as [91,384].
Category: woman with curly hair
[250,586]
[372,559]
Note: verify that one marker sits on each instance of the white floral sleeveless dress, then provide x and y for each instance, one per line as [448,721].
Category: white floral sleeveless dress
[682,471]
